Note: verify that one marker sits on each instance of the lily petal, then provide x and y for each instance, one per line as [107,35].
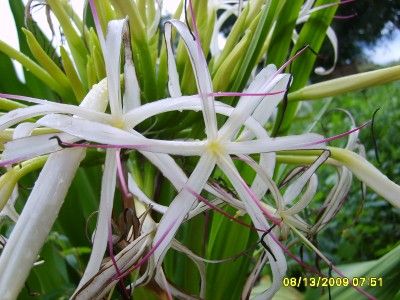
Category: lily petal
[302,141]
[202,75]
[182,204]
[36,220]
[106,204]
[29,147]
[112,58]
[109,135]
[297,186]
[277,260]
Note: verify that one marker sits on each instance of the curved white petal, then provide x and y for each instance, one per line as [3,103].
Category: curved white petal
[20,114]
[131,97]
[303,141]
[112,57]
[265,82]
[36,220]
[335,198]
[201,73]
[267,106]
[104,217]
[335,44]
[24,129]
[181,206]
[173,76]
[277,261]
[109,135]
[305,198]
[142,197]
[31,146]
[294,189]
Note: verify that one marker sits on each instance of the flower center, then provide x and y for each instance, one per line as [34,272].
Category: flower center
[214,147]
[118,122]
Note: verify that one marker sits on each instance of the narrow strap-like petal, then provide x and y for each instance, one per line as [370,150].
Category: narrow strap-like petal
[302,141]
[112,137]
[275,254]
[36,220]
[106,204]
[112,57]
[201,73]
[181,205]
[297,186]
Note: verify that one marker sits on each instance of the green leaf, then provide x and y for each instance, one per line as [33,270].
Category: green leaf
[227,239]
[36,87]
[10,83]
[313,33]
[268,15]
[283,32]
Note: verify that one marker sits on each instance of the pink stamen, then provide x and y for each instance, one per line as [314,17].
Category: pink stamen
[194,24]
[7,163]
[224,213]
[339,3]
[346,17]
[258,202]
[121,176]
[293,58]
[150,253]
[97,23]
[346,1]
[335,137]
[238,94]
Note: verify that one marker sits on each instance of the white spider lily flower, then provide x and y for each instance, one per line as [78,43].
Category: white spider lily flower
[39,214]
[115,131]
[36,220]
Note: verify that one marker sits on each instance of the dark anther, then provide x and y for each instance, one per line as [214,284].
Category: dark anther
[301,250]
[187,21]
[264,244]
[63,144]
[60,142]
[373,136]
[268,231]
[284,107]
[305,47]
[311,49]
